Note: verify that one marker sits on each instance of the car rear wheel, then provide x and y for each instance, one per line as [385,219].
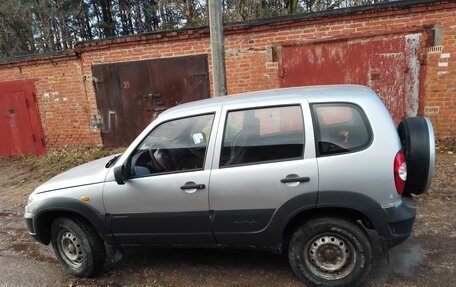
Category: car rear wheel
[77,246]
[330,251]
[418,144]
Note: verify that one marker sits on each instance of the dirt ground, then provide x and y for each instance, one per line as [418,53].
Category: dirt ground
[428,258]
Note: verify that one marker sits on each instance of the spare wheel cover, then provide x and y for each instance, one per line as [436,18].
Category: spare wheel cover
[417,140]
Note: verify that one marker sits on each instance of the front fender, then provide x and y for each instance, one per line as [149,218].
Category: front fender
[46,211]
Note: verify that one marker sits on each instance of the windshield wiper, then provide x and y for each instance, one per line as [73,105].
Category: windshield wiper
[112,161]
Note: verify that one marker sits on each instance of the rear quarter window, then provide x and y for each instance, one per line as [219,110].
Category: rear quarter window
[340,128]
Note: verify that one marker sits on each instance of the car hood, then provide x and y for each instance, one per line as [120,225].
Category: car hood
[88,173]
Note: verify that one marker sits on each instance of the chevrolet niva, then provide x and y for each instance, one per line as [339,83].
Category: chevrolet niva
[302,171]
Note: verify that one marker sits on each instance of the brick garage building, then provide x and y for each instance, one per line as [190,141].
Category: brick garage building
[417,37]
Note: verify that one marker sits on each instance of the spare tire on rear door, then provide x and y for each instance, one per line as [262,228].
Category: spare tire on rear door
[417,140]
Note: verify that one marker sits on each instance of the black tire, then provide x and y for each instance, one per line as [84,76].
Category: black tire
[330,251]
[417,140]
[78,246]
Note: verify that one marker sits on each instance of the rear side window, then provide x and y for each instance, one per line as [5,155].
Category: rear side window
[263,135]
[340,128]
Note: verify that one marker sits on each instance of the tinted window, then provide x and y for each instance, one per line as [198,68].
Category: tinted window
[262,135]
[178,145]
[340,128]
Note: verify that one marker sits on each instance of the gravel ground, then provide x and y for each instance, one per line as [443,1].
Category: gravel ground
[428,258]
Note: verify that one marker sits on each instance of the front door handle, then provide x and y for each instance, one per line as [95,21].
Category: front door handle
[294,179]
[191,187]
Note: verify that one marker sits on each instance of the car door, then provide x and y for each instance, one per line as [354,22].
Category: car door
[264,157]
[165,199]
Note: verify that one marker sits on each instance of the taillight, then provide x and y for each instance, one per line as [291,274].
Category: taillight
[400,172]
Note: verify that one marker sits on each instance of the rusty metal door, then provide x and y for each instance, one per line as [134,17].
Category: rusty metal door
[122,91]
[130,95]
[389,65]
[20,128]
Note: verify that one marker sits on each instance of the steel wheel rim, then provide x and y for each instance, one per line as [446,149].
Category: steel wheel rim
[330,256]
[70,248]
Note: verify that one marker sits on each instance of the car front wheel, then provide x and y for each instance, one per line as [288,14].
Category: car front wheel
[77,246]
[330,251]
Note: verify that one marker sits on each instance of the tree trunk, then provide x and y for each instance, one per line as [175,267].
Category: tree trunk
[124,15]
[138,18]
[151,20]
[292,6]
[108,23]
[98,18]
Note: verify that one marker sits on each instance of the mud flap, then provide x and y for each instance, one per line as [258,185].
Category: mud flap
[115,253]
[385,250]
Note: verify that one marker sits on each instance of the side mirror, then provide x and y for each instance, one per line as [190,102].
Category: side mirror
[120,174]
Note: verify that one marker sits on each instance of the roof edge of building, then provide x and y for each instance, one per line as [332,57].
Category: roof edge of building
[263,25]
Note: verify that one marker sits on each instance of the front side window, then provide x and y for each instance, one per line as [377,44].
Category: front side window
[174,146]
[262,135]
[340,128]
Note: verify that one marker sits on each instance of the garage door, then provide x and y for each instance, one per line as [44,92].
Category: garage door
[20,127]
[130,95]
[389,65]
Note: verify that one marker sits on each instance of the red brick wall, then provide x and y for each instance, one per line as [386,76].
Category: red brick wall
[249,63]
[440,85]
[62,101]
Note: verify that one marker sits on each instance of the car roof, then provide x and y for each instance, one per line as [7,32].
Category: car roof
[312,93]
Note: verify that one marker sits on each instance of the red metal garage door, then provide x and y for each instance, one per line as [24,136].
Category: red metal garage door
[20,127]
[389,66]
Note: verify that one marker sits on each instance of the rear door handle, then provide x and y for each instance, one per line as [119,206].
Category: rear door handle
[295,179]
[191,187]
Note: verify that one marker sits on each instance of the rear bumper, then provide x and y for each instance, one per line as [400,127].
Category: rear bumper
[394,225]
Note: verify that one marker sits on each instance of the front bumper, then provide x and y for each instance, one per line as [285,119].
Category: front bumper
[394,225]
[30,223]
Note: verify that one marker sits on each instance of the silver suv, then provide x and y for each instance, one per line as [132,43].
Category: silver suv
[305,171]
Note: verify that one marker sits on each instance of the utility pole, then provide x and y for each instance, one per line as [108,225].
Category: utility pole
[217,47]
